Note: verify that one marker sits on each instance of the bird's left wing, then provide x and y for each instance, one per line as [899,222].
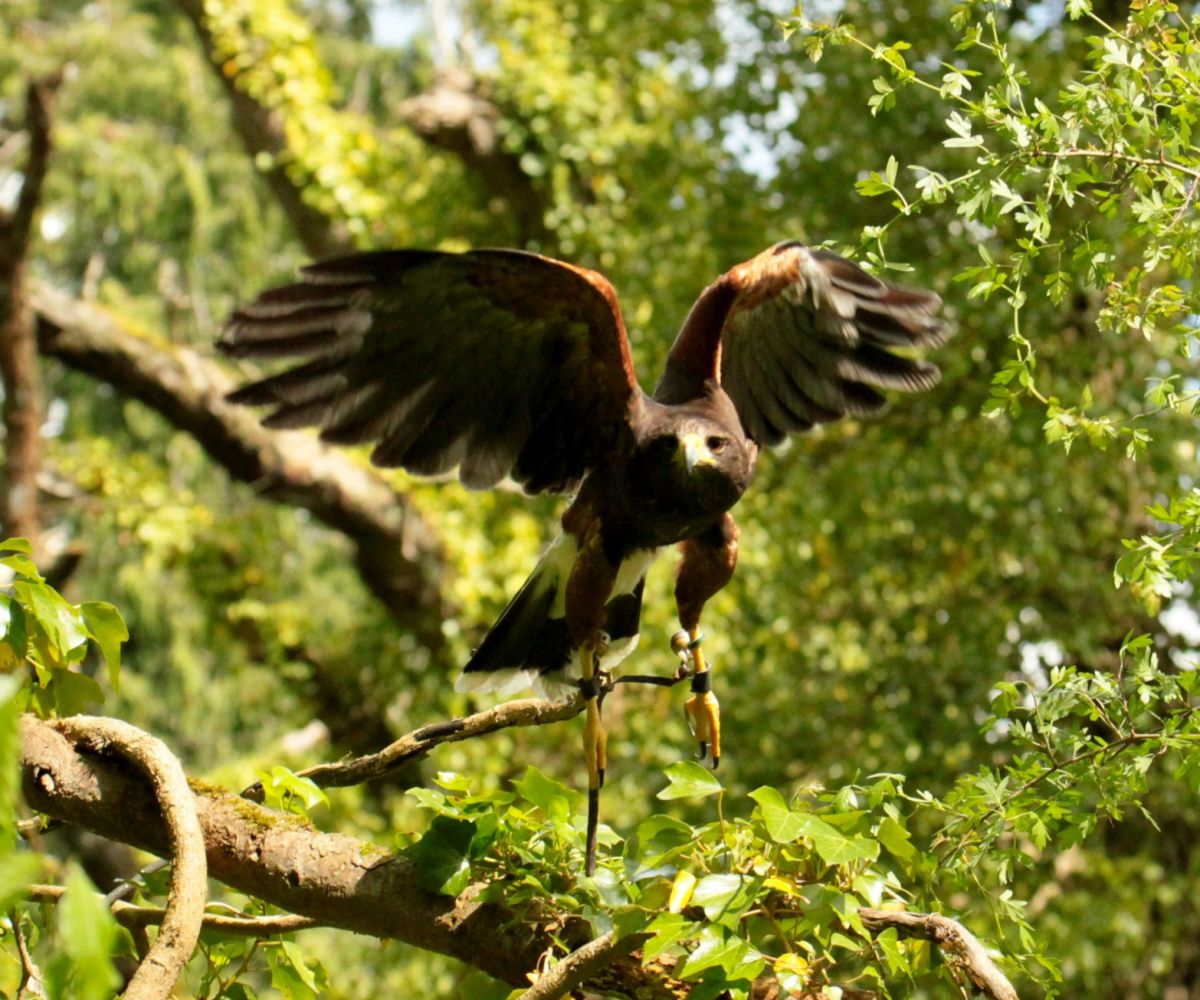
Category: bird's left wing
[497,362]
[798,336]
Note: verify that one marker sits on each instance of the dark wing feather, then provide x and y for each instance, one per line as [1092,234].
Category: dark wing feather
[798,337]
[496,362]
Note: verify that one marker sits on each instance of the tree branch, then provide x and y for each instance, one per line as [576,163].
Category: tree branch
[337,881]
[396,552]
[962,948]
[132,917]
[282,859]
[159,970]
[415,745]
[262,134]
[579,966]
[18,347]
[455,116]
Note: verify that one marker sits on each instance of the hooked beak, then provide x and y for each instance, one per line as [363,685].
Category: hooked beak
[695,450]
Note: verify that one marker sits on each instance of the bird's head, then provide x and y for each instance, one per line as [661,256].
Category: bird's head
[697,462]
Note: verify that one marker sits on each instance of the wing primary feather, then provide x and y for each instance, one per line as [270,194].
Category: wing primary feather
[281,347]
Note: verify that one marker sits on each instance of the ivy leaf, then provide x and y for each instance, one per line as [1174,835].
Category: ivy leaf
[441,856]
[552,797]
[689,780]
[783,825]
[108,628]
[834,847]
[723,895]
[74,692]
[720,948]
[668,929]
[896,839]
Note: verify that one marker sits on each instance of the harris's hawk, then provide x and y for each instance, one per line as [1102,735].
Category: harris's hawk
[502,363]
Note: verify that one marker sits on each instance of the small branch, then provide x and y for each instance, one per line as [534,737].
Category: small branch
[160,969]
[581,965]
[31,975]
[130,916]
[960,945]
[415,745]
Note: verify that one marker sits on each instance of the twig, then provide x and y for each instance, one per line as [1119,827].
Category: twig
[577,967]
[31,975]
[415,745]
[156,975]
[962,947]
[130,916]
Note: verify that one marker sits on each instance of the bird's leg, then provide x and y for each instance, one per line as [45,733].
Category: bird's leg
[707,565]
[703,709]
[588,589]
[595,740]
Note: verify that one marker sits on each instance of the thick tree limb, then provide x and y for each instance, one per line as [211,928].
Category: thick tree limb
[396,552]
[160,968]
[330,878]
[415,745]
[261,132]
[453,115]
[18,345]
[961,947]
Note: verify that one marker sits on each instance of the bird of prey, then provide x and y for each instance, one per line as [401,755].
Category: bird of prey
[501,363]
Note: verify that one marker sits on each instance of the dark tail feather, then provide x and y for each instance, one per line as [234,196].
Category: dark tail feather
[526,638]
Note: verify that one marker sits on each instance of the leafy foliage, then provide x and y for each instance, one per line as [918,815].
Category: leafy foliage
[935,696]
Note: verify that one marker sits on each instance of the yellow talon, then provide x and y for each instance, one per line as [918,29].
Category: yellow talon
[595,750]
[703,709]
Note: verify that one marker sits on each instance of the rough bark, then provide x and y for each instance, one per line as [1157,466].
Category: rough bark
[455,116]
[396,552]
[336,880]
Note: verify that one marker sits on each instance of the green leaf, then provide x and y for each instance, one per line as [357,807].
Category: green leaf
[689,780]
[720,948]
[896,839]
[107,627]
[17,871]
[668,929]
[834,847]
[74,693]
[16,545]
[441,856]
[724,895]
[783,825]
[87,937]
[552,797]
[21,565]
[14,637]
[286,790]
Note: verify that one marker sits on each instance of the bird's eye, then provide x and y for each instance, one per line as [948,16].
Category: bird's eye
[715,444]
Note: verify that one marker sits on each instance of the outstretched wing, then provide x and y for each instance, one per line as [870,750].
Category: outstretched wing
[798,337]
[495,361]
